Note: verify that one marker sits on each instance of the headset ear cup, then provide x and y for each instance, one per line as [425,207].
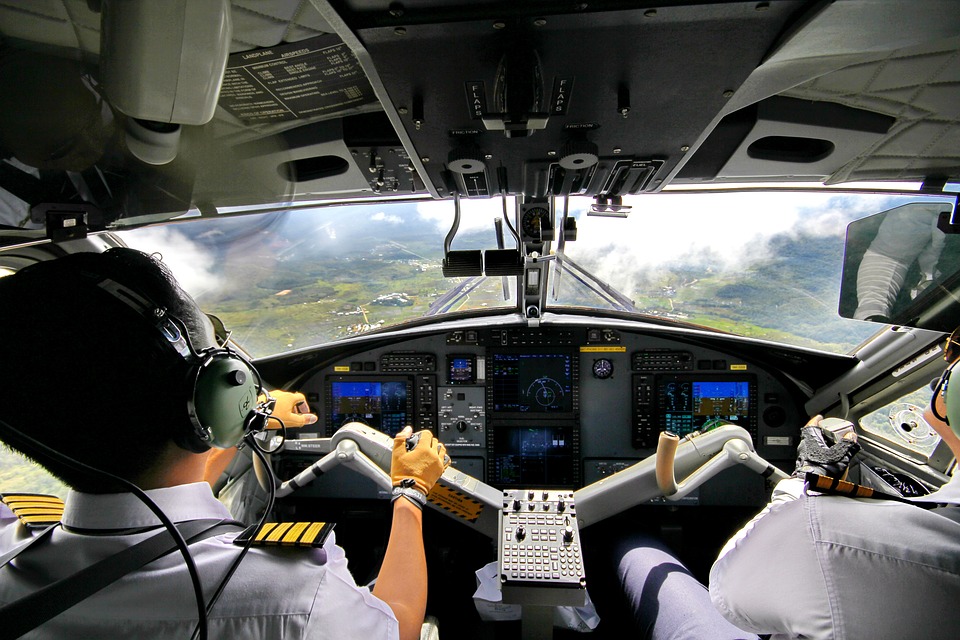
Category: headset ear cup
[224,397]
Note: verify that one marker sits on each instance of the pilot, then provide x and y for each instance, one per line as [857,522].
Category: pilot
[830,566]
[90,380]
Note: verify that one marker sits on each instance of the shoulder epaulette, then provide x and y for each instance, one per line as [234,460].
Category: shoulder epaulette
[286,534]
[833,486]
[35,510]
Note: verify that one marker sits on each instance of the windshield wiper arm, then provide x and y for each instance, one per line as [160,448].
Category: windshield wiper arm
[598,286]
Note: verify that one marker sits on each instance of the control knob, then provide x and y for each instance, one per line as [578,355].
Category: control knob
[465,161]
[578,154]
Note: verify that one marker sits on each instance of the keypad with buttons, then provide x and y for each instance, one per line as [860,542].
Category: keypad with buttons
[540,539]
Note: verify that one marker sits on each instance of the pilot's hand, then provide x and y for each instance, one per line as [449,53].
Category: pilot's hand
[418,462]
[292,409]
[819,453]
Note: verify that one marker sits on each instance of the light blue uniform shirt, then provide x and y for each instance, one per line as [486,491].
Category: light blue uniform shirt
[838,568]
[275,593]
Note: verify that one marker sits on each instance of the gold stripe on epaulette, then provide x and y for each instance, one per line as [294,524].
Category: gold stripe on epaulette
[292,537]
[39,511]
[34,509]
[31,497]
[833,486]
[278,531]
[264,530]
[312,531]
[38,520]
[287,534]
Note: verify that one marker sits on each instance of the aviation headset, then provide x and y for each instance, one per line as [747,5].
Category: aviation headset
[951,397]
[222,387]
[941,386]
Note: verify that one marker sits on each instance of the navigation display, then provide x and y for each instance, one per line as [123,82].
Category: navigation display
[533,456]
[383,405]
[532,382]
[685,403]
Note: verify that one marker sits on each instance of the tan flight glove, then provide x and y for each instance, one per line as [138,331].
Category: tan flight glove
[418,462]
[291,408]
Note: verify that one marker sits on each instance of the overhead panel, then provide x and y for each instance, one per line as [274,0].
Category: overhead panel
[603,100]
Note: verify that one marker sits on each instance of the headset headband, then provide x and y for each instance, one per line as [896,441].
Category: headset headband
[222,387]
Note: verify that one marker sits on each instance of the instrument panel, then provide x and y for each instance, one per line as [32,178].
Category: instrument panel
[551,407]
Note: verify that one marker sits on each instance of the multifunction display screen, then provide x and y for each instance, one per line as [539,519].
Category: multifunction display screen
[461,369]
[383,405]
[532,382]
[686,403]
[533,456]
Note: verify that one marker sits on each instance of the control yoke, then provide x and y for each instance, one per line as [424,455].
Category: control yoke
[735,451]
[696,457]
[539,561]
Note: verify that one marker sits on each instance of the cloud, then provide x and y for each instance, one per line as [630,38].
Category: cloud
[380,216]
[475,215]
[192,265]
[727,232]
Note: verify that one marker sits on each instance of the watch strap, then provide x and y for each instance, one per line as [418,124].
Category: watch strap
[411,494]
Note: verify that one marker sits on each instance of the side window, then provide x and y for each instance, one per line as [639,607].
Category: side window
[21,475]
[901,423]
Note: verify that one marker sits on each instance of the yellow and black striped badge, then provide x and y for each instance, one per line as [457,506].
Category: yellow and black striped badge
[34,509]
[286,534]
[833,486]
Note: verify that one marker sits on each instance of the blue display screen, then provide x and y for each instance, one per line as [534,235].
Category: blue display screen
[378,404]
[686,404]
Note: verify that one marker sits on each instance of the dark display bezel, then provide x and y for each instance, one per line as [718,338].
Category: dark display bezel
[750,420]
[497,433]
[500,415]
[328,389]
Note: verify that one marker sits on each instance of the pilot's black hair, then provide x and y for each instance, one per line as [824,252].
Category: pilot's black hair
[87,375]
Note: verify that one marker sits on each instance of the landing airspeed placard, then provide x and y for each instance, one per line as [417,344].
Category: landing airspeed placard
[319,76]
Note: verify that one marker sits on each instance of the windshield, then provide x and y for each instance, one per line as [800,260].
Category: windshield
[287,280]
[759,264]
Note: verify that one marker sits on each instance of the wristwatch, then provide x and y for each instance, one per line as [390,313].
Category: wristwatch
[405,489]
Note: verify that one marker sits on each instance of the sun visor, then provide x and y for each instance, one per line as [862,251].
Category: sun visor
[164,61]
[902,267]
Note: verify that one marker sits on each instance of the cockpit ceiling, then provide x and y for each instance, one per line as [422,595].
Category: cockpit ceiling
[550,98]
[627,86]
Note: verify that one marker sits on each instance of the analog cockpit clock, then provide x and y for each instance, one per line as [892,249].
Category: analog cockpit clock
[602,368]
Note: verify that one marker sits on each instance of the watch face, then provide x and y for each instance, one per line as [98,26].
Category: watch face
[602,368]
[531,222]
